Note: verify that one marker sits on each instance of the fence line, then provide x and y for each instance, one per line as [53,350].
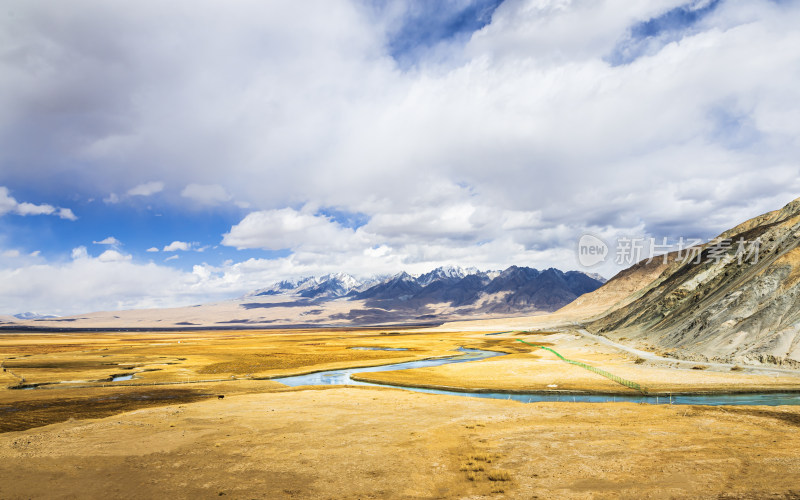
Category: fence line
[627,383]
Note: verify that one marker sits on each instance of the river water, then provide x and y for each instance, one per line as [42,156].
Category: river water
[343,377]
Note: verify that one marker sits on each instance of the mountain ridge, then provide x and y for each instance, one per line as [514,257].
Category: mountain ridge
[339,299]
[524,288]
[719,306]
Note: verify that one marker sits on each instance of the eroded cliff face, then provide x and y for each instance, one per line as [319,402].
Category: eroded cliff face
[625,287]
[733,302]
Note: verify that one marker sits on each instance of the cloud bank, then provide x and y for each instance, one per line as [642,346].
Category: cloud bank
[362,142]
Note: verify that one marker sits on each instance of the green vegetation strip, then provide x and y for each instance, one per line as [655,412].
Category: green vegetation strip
[610,376]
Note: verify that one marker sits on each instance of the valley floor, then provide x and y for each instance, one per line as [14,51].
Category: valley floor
[384,443]
[166,433]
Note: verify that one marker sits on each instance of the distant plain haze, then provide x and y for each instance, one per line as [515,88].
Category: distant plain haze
[164,154]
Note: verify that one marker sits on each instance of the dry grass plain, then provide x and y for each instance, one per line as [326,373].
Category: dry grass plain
[527,369]
[165,433]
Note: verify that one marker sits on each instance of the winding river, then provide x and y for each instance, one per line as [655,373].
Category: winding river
[343,377]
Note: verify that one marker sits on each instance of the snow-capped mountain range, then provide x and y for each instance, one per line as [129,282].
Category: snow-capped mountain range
[327,286]
[341,284]
[339,299]
[512,290]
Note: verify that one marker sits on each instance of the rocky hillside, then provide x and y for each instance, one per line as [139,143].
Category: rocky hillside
[625,287]
[736,300]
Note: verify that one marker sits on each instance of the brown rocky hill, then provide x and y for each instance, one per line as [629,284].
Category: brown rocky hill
[625,287]
[730,306]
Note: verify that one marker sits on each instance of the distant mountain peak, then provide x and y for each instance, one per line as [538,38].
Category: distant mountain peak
[285,286]
[343,279]
[596,276]
[445,272]
[331,286]
[402,276]
[33,315]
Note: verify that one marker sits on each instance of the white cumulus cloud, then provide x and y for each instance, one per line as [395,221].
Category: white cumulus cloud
[67,213]
[146,189]
[10,204]
[80,253]
[289,228]
[178,245]
[113,256]
[31,209]
[108,241]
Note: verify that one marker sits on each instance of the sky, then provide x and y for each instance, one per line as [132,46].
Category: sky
[159,154]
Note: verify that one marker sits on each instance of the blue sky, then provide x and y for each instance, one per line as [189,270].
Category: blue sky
[650,35]
[427,25]
[164,155]
[138,224]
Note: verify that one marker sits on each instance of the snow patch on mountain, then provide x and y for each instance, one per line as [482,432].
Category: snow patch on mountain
[34,315]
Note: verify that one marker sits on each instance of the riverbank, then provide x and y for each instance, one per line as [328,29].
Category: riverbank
[565,393]
[527,369]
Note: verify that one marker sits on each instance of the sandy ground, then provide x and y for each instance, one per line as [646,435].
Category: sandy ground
[389,443]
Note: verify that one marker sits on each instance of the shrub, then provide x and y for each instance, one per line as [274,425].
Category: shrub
[499,475]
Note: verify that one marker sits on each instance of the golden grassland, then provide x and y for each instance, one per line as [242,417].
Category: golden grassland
[527,369]
[93,359]
[167,433]
[384,443]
